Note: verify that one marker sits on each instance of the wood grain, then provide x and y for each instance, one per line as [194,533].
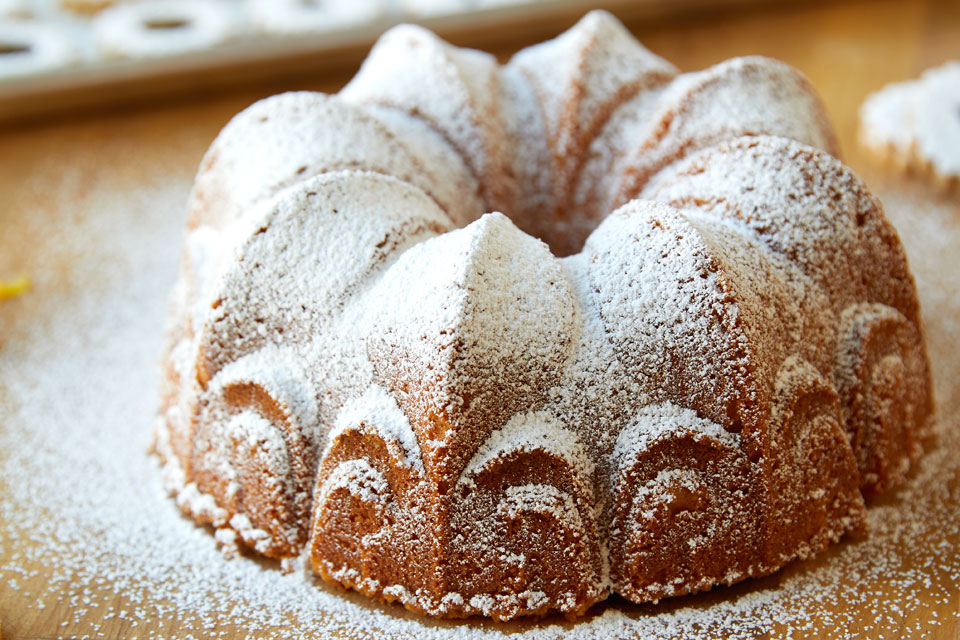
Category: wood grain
[46,168]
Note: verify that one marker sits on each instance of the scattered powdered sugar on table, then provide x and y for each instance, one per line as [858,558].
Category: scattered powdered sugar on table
[90,543]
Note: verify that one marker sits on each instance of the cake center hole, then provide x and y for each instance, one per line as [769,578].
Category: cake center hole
[565,232]
[166,24]
[13,48]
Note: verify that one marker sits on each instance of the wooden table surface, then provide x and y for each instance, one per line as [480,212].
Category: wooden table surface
[847,49]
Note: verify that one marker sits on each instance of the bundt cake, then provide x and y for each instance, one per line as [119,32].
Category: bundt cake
[508,414]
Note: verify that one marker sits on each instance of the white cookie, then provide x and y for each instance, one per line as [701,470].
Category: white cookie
[17,9]
[916,124]
[162,28]
[297,16]
[28,47]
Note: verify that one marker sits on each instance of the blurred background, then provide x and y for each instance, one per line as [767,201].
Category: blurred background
[70,55]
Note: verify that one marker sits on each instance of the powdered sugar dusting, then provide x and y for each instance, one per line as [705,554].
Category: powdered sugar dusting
[408,64]
[540,498]
[479,322]
[279,286]
[804,206]
[917,122]
[740,96]
[279,372]
[655,420]
[523,124]
[579,73]
[450,171]
[659,293]
[376,409]
[290,137]
[78,386]
[580,78]
[359,478]
[532,431]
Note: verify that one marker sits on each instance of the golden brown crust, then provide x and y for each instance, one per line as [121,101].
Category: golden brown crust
[883,378]
[685,517]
